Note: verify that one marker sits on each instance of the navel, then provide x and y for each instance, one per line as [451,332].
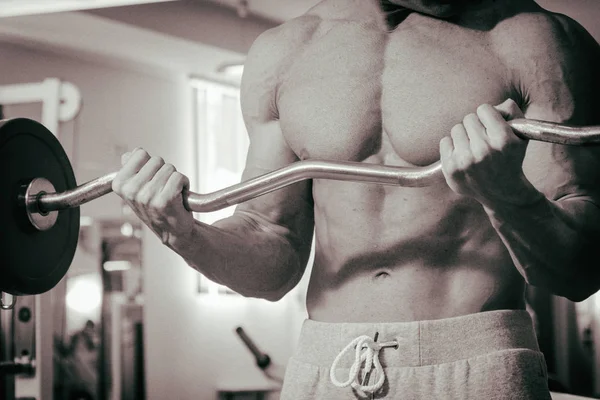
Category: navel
[382,275]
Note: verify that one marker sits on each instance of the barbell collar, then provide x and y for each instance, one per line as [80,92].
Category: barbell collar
[30,194]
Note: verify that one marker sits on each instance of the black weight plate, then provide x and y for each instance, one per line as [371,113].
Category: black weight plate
[31,261]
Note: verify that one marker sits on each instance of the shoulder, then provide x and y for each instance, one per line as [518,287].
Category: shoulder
[274,49]
[289,34]
[553,60]
[269,57]
[277,43]
[543,31]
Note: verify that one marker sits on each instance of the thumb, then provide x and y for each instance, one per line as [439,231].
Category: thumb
[510,110]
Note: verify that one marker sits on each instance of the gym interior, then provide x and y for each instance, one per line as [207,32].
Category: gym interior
[130,320]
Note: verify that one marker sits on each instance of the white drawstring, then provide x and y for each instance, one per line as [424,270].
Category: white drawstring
[370,356]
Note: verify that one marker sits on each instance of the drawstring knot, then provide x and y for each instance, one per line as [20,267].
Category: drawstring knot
[367,352]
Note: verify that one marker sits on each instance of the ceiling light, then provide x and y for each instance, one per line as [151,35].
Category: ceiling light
[85,295]
[111,266]
[127,229]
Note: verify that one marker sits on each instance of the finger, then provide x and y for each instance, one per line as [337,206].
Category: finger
[474,127]
[126,156]
[159,182]
[136,188]
[147,172]
[478,137]
[449,169]
[144,181]
[134,163]
[176,184]
[490,116]
[162,176]
[509,109]
[174,188]
[446,150]
[498,130]
[460,139]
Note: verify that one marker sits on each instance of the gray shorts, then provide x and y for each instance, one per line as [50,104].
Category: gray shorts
[489,355]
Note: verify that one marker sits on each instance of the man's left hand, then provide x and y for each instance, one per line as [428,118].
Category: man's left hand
[483,158]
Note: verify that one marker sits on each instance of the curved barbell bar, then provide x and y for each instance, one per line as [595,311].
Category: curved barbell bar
[316,169]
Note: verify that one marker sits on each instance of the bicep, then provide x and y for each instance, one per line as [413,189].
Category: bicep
[563,86]
[289,210]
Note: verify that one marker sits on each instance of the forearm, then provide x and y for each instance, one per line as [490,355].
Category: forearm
[553,244]
[240,254]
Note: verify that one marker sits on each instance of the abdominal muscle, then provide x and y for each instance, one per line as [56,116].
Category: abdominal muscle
[390,254]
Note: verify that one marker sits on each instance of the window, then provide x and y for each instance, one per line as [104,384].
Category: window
[221,146]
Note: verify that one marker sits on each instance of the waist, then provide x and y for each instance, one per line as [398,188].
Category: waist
[422,343]
[412,292]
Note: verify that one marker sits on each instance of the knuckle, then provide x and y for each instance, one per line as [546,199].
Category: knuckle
[129,191]
[480,155]
[499,143]
[179,176]
[143,197]
[125,157]
[159,203]
[182,179]
[157,160]
[465,160]
[457,129]
[170,168]
[457,133]
[470,118]
[483,108]
[116,185]
[142,153]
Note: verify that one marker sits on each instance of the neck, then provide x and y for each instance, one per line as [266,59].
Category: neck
[475,13]
[485,14]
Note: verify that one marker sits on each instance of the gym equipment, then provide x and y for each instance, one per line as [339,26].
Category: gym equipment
[272,370]
[262,359]
[34,257]
[39,199]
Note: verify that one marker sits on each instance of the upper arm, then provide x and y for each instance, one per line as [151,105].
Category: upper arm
[288,212]
[559,78]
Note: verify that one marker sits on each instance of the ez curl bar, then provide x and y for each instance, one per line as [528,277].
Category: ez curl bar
[39,200]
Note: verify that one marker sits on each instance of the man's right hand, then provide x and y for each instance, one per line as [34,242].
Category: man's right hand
[154,190]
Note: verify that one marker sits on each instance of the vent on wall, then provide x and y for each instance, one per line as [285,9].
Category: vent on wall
[11,8]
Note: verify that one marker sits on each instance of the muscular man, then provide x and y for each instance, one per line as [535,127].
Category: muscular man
[437,274]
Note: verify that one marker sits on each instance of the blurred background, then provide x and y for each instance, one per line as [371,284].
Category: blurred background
[131,320]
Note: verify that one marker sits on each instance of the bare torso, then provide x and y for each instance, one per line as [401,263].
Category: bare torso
[357,91]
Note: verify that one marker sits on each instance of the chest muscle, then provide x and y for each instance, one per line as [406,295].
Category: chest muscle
[355,93]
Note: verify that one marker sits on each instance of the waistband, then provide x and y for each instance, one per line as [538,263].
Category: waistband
[421,342]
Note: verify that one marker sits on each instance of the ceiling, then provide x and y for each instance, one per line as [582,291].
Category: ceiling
[276,10]
[41,24]
[11,8]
